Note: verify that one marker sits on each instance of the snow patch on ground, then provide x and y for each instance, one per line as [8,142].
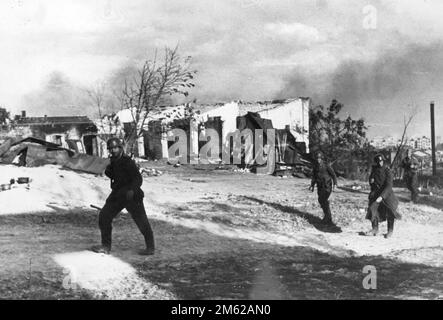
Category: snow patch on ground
[407,237]
[49,185]
[107,277]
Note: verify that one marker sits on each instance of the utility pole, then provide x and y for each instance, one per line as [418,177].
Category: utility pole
[434,162]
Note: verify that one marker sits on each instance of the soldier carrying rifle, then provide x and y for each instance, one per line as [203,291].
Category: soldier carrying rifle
[126,181]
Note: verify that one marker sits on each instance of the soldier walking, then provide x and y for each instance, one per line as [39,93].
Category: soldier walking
[126,181]
[410,167]
[324,177]
[383,203]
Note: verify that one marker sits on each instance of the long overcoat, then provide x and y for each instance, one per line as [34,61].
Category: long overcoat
[381,183]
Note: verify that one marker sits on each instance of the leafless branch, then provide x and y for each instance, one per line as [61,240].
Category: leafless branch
[154,81]
[407,122]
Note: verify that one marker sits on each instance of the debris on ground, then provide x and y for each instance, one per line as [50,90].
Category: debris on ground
[34,152]
[15,183]
[355,187]
[151,172]
[425,191]
[175,162]
[140,160]
[22,180]
[283,170]
[5,187]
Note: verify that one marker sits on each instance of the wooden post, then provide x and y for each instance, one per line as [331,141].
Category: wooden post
[434,161]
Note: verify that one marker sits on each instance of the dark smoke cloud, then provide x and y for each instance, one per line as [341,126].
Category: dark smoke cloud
[409,72]
[58,96]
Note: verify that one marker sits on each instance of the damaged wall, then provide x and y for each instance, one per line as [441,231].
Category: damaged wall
[292,112]
[59,130]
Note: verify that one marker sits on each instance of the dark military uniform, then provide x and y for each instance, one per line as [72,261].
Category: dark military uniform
[410,167]
[124,176]
[380,181]
[324,177]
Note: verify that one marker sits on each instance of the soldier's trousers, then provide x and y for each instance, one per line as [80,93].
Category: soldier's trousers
[412,184]
[137,211]
[323,200]
[375,216]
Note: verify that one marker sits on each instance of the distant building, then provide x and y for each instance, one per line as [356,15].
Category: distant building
[74,132]
[412,143]
[423,143]
[385,142]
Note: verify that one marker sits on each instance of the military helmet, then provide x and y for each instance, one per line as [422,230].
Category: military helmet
[319,154]
[379,157]
[114,142]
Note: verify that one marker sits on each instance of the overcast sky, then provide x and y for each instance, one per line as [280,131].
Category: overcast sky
[242,49]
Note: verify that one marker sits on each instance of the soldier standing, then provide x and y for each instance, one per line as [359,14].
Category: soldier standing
[383,203]
[126,181]
[410,166]
[324,177]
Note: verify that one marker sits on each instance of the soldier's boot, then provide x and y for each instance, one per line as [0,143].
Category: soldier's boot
[414,196]
[149,241]
[374,230]
[101,249]
[138,213]
[390,228]
[327,218]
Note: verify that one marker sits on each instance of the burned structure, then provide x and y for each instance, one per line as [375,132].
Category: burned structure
[289,118]
[77,133]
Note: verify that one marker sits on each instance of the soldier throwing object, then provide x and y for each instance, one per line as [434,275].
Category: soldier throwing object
[126,181]
[410,166]
[324,177]
[382,201]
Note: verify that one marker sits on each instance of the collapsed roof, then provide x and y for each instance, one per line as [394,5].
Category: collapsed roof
[34,152]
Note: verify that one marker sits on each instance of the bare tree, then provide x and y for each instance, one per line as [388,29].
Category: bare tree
[120,97]
[97,95]
[406,122]
[104,102]
[156,79]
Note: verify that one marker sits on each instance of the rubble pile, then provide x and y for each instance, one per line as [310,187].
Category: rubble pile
[240,170]
[34,152]
[150,172]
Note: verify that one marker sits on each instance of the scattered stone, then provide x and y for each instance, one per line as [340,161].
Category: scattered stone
[151,172]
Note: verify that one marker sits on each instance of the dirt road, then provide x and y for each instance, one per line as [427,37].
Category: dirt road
[220,235]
